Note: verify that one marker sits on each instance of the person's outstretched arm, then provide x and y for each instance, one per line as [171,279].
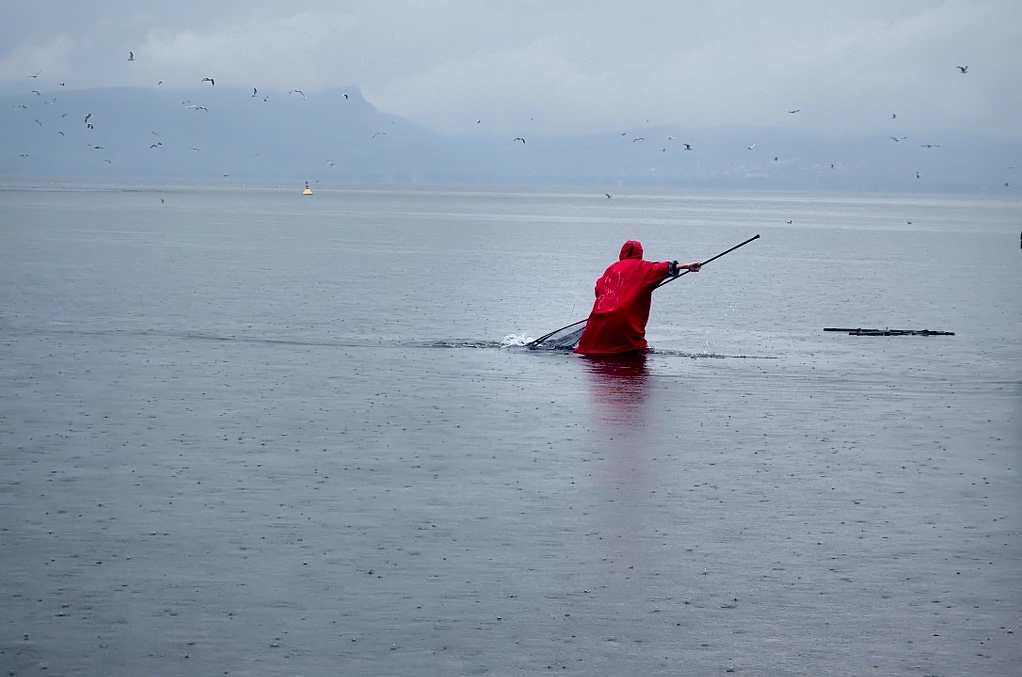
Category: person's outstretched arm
[676,267]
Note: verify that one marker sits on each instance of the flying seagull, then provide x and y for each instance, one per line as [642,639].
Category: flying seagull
[518,138]
[87,117]
[894,116]
[266,98]
[37,75]
[899,138]
[752,146]
[209,80]
[688,146]
[930,145]
[297,91]
[379,133]
[608,195]
[917,175]
[794,111]
[964,69]
[131,56]
[345,96]
[38,123]
[156,145]
[254,92]
[639,138]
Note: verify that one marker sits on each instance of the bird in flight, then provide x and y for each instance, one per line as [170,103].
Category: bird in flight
[156,145]
[917,175]
[608,195]
[34,76]
[899,138]
[265,99]
[209,80]
[202,108]
[330,162]
[131,56]
[518,138]
[345,96]
[752,146]
[688,146]
[929,145]
[38,123]
[297,91]
[638,138]
[254,92]
[37,92]
[794,111]
[894,116]
[379,133]
[87,117]
[964,69]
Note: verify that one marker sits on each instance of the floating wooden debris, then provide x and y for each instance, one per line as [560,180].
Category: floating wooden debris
[859,331]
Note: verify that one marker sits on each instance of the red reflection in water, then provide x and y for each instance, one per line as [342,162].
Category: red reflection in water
[620,384]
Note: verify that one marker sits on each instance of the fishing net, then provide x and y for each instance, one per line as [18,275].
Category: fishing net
[562,339]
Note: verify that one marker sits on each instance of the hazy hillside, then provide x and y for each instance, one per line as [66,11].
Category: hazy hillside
[337,136]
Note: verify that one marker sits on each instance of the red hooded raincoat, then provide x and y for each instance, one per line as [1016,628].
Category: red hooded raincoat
[618,321]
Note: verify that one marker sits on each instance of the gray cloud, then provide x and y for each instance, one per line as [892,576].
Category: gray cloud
[558,67]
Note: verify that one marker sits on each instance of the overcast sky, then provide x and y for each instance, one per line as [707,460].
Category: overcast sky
[546,67]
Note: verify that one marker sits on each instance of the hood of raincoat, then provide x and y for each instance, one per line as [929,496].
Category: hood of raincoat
[631,250]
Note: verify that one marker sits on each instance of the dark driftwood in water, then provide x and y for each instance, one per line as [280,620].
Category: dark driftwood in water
[859,331]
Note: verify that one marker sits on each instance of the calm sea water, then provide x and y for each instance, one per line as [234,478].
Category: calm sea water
[244,431]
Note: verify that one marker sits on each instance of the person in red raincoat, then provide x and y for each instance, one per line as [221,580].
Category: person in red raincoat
[617,324]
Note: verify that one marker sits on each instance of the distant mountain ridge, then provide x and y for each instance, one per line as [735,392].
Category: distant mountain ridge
[337,136]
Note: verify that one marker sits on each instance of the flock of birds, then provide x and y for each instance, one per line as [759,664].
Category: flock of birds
[255,94]
[188,104]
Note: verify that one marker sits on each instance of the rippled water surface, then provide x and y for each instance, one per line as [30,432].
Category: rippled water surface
[244,431]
